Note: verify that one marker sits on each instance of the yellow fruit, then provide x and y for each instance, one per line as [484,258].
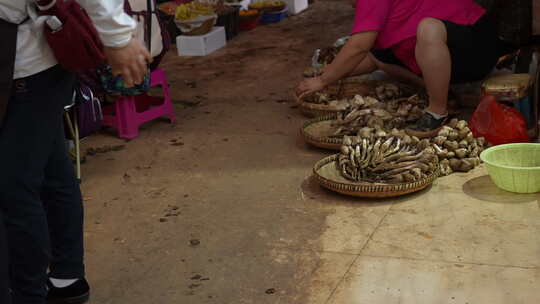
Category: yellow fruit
[192,10]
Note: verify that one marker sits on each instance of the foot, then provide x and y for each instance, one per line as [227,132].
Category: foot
[76,293]
[426,126]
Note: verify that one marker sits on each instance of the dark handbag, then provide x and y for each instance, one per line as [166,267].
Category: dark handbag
[72,36]
[88,111]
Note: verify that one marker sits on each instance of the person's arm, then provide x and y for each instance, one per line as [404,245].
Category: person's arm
[126,55]
[114,26]
[370,18]
[350,56]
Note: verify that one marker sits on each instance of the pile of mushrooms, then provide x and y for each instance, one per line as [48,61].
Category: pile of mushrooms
[377,156]
[457,148]
[372,113]
[383,92]
[388,91]
[383,158]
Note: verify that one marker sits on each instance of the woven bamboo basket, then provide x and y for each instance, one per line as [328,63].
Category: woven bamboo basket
[316,133]
[314,110]
[329,177]
[203,29]
[346,88]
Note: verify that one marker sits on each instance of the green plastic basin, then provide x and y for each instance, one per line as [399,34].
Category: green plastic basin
[514,167]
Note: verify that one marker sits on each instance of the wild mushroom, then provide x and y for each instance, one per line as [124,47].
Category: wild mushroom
[451,145]
[461,125]
[453,123]
[439,140]
[461,153]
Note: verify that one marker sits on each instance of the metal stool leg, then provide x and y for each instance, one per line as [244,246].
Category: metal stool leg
[77,146]
[74,131]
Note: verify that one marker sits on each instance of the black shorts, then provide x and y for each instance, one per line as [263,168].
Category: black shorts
[474,50]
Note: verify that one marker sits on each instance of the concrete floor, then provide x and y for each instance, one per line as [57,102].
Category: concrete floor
[220,207]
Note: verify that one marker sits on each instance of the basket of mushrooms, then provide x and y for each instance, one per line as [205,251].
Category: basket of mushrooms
[363,115]
[381,165]
[377,164]
[340,97]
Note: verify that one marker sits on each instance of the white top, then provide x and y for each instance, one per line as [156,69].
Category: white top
[34,55]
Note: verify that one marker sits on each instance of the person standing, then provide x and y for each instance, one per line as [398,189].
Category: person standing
[39,194]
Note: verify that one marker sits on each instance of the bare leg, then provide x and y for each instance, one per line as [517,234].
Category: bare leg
[434,60]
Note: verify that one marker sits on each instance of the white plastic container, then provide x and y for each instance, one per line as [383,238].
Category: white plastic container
[201,45]
[296,6]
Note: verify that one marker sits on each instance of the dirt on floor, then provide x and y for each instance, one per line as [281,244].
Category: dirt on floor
[205,210]
[220,207]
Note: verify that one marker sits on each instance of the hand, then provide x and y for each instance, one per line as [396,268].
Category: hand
[309,86]
[129,61]
[324,69]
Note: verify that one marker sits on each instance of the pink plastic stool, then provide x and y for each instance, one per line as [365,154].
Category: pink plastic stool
[129,112]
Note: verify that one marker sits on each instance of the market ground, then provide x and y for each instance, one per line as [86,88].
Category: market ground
[220,207]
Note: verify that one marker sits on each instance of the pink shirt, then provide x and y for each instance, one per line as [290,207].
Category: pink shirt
[397,21]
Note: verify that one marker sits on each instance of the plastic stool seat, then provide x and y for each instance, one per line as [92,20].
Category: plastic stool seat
[130,112]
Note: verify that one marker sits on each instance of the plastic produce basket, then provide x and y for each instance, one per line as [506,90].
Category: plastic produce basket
[274,17]
[197,27]
[514,167]
[249,23]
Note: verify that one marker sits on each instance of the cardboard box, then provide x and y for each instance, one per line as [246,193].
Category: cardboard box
[296,6]
[201,45]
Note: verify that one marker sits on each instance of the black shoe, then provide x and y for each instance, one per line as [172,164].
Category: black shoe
[76,293]
[426,126]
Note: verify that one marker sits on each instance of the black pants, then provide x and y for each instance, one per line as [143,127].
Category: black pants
[39,194]
[474,50]
[4,285]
